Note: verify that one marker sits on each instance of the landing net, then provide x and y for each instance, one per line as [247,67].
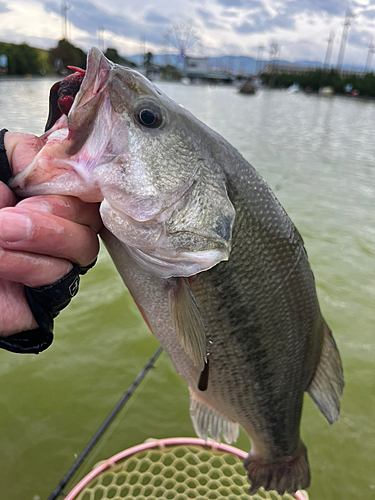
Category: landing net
[175,469]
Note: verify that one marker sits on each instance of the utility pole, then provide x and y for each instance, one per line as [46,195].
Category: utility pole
[259,59]
[371,50]
[64,8]
[273,52]
[165,51]
[143,49]
[327,60]
[228,64]
[101,38]
[348,21]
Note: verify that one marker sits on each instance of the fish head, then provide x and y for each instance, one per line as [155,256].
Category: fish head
[147,160]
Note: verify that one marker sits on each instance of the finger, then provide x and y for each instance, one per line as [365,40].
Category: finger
[47,234]
[16,315]
[32,269]
[7,197]
[67,207]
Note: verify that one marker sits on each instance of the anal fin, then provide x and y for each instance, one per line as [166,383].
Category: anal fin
[208,421]
[187,320]
[327,385]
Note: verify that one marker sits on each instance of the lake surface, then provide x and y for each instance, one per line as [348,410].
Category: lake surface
[318,155]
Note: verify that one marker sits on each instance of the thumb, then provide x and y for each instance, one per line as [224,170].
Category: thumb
[21,149]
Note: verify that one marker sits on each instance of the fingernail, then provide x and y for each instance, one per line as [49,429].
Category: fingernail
[40,206]
[15,227]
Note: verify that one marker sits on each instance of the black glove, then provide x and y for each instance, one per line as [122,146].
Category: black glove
[45,303]
[5,171]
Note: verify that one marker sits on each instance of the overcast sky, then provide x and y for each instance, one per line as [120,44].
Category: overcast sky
[224,27]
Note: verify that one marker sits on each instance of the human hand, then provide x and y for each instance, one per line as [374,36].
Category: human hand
[40,237]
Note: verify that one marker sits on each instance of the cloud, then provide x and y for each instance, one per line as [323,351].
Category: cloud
[262,22]
[207,16]
[229,13]
[370,14]
[232,3]
[35,41]
[284,21]
[3,8]
[246,28]
[359,38]
[155,18]
[214,26]
[209,20]
[332,7]
[231,48]
[88,17]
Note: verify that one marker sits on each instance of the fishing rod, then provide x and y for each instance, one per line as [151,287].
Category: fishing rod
[104,426]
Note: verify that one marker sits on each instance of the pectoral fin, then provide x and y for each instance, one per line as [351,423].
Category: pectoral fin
[187,320]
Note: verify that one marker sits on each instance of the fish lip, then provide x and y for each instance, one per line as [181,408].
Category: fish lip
[87,102]
[97,74]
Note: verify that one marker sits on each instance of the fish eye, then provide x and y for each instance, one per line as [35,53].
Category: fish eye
[148,115]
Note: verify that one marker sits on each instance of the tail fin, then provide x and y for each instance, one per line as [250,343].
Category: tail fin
[328,382]
[289,475]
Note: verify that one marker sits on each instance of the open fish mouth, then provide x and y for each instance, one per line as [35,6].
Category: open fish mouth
[64,165]
[79,87]
[62,95]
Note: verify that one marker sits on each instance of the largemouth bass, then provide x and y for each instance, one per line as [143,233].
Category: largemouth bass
[215,265]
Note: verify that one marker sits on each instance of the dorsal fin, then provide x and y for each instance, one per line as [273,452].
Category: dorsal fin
[327,385]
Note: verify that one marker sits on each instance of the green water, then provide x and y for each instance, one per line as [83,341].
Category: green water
[318,154]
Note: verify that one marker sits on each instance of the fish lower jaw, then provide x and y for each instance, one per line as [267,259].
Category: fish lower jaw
[47,178]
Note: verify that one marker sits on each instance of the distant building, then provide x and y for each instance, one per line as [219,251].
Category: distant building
[3,63]
[197,70]
[196,65]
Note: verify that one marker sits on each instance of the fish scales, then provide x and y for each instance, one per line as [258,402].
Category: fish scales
[255,315]
[215,265]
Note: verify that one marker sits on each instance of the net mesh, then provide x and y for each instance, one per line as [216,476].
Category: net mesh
[176,472]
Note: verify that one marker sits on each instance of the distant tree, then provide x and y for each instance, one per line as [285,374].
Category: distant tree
[364,83]
[23,59]
[147,60]
[66,54]
[114,56]
[170,73]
